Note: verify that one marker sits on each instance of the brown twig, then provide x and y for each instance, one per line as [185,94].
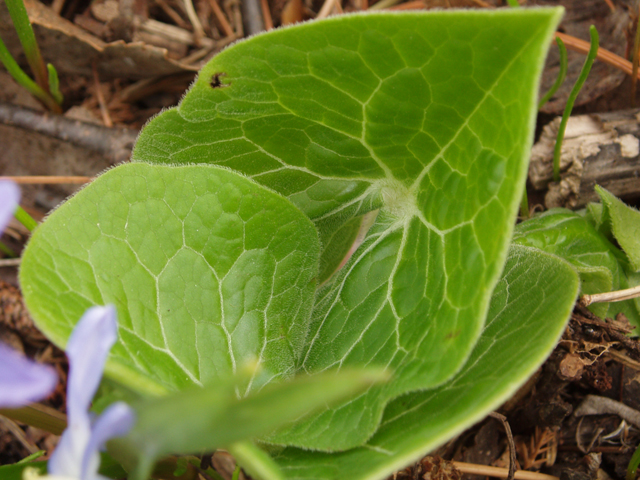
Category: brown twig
[57,6]
[114,143]
[634,64]
[222,19]
[326,9]
[413,5]
[498,472]
[104,111]
[198,31]
[482,4]
[512,445]
[9,262]
[175,16]
[384,4]
[615,296]
[18,433]
[610,58]
[266,15]
[47,179]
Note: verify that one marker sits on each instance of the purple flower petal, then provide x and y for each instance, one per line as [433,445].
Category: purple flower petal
[23,381]
[66,459]
[9,197]
[87,350]
[115,421]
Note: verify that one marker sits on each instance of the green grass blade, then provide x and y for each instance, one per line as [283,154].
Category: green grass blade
[24,80]
[586,68]
[562,74]
[54,84]
[21,22]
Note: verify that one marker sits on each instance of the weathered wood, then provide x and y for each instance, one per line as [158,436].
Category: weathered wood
[602,149]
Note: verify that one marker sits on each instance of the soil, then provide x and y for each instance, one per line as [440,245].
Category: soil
[594,359]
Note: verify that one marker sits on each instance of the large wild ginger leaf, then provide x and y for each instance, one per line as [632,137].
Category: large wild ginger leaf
[425,116]
[404,138]
[528,312]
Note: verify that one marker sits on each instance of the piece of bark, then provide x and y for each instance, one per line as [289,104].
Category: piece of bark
[600,149]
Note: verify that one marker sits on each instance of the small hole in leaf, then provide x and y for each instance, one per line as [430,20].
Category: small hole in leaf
[215,80]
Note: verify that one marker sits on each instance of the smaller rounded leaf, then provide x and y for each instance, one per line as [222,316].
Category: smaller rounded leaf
[199,262]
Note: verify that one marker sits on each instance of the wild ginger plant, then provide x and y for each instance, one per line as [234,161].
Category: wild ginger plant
[334,195]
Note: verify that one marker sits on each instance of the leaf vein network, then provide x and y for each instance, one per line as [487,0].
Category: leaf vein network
[465,124]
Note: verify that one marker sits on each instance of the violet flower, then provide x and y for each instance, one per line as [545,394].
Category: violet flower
[22,381]
[77,455]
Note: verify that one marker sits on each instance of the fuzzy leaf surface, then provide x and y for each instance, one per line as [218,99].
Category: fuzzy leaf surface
[528,312]
[418,115]
[208,271]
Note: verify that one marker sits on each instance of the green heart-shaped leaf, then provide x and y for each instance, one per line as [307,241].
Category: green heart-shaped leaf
[208,271]
[418,114]
[528,312]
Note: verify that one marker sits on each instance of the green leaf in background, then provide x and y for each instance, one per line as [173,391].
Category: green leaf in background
[623,225]
[208,271]
[204,419]
[426,116]
[528,312]
[599,263]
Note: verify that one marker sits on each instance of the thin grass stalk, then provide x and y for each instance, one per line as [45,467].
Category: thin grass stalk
[562,73]
[586,68]
[27,38]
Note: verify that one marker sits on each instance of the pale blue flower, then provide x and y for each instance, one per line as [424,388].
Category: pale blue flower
[21,380]
[77,455]
[9,197]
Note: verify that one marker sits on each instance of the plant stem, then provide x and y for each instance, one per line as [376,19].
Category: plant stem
[255,460]
[54,84]
[236,473]
[586,68]
[562,74]
[25,219]
[21,22]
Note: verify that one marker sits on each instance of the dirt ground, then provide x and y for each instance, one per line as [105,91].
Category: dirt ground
[577,418]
